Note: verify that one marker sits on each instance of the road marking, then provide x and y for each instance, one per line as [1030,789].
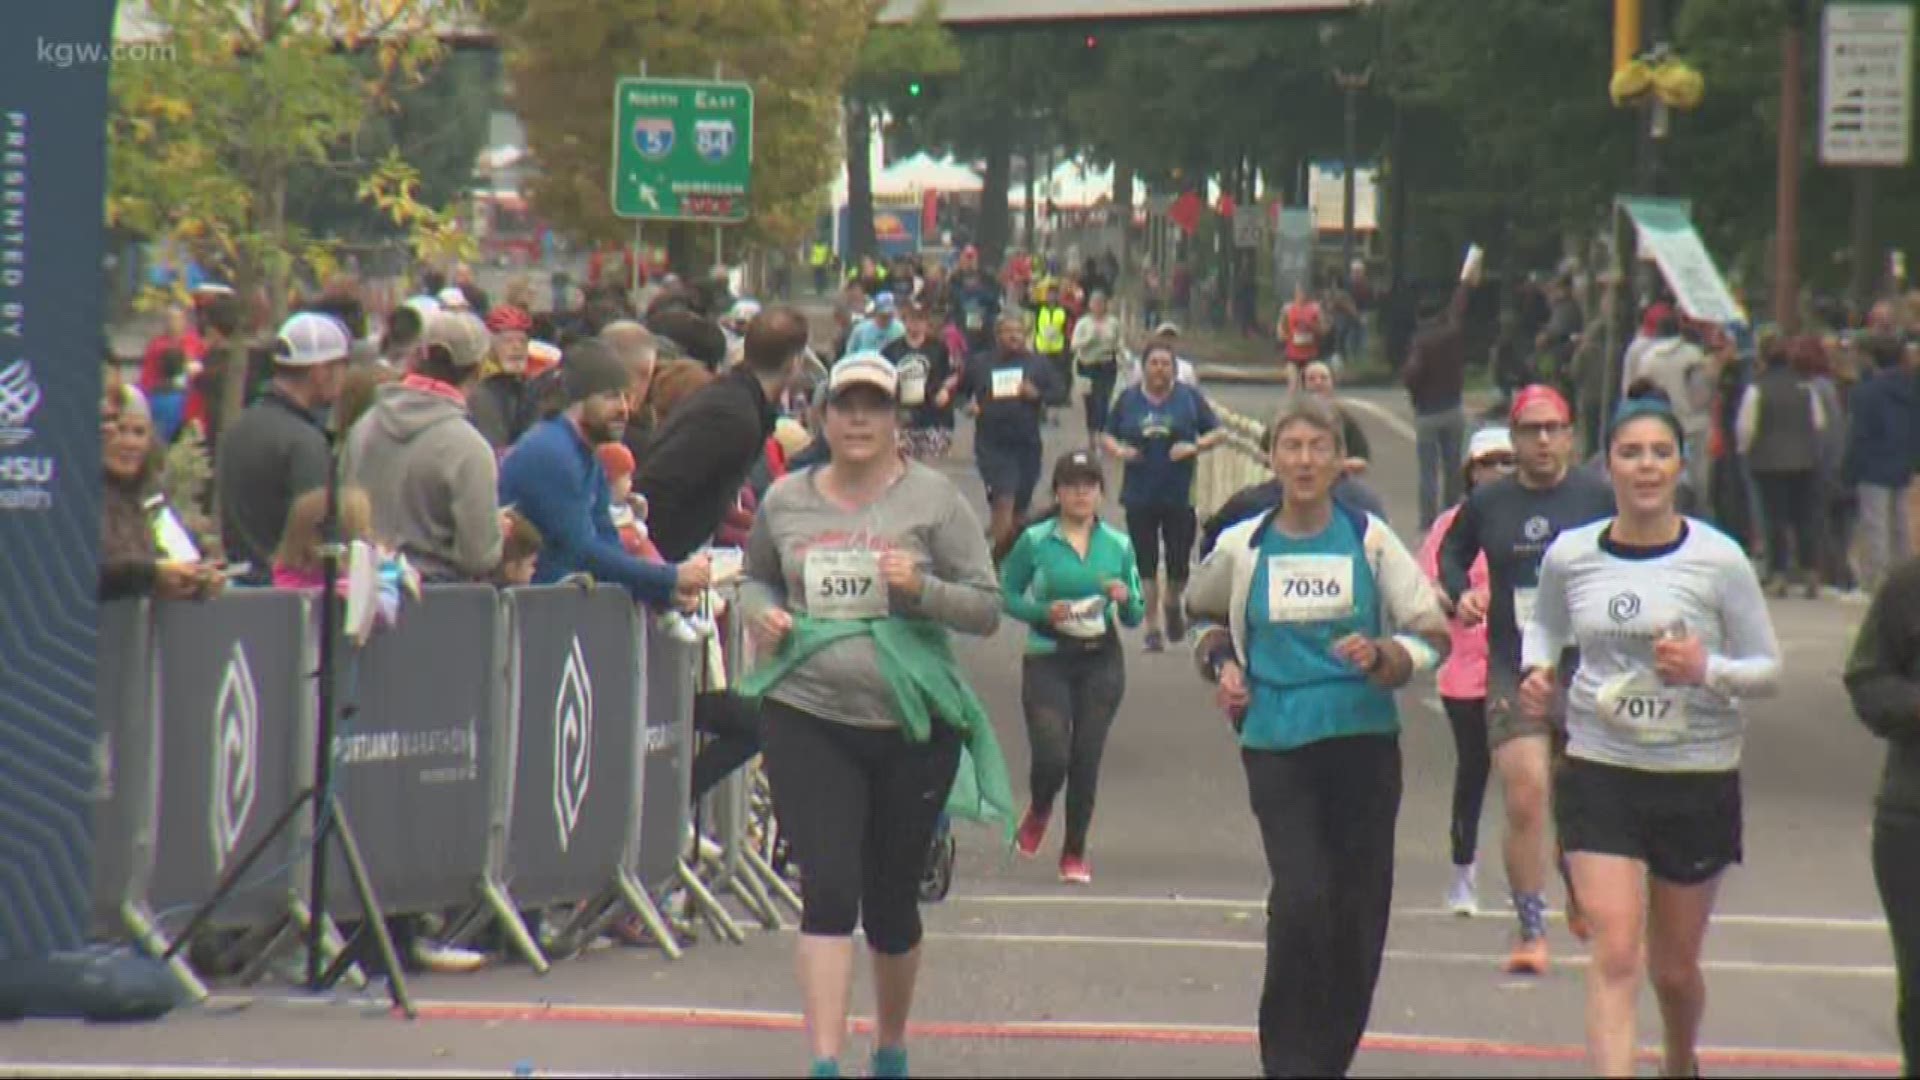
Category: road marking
[1383,414]
[1777,922]
[1751,1058]
[1487,960]
[192,1072]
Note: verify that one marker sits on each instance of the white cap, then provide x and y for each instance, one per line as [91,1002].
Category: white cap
[864,369]
[1166,329]
[451,297]
[424,304]
[310,339]
[1493,440]
[744,310]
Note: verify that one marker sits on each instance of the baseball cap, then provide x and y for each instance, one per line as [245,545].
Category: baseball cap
[451,297]
[309,339]
[1167,329]
[743,310]
[1077,467]
[424,304]
[1486,441]
[885,302]
[864,369]
[460,333]
[1539,394]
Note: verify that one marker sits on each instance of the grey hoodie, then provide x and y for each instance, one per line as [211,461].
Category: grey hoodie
[433,482]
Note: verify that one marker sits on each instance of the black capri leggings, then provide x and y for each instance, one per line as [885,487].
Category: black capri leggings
[858,806]
[1471,763]
[1150,526]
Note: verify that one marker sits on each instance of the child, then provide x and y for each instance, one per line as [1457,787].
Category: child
[168,400]
[519,550]
[297,564]
[629,510]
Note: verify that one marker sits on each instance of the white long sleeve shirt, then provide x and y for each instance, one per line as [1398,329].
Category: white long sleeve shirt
[1613,604]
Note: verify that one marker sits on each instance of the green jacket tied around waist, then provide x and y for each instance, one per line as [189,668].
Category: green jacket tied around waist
[916,659]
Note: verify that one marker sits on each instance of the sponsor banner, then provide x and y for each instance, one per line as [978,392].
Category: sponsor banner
[52,172]
[1667,237]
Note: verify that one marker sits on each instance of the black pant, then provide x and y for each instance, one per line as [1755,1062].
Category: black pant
[858,806]
[1471,763]
[1895,839]
[1099,396]
[1060,365]
[1326,813]
[1173,527]
[733,723]
[1788,500]
[1070,702]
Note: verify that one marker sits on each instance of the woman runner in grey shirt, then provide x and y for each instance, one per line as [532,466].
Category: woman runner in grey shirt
[1673,631]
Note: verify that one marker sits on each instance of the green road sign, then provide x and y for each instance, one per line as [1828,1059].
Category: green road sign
[682,149]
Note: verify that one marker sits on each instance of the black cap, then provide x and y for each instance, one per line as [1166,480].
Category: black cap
[590,367]
[1078,467]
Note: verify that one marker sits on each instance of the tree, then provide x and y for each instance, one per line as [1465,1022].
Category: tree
[894,64]
[564,56]
[204,146]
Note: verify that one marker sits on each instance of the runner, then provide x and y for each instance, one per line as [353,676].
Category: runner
[1006,388]
[1096,356]
[1064,577]
[973,297]
[1512,521]
[1300,604]
[1673,633]
[1158,429]
[1886,696]
[855,572]
[1463,678]
[928,381]
[1302,324]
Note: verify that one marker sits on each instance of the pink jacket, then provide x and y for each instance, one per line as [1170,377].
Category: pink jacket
[1463,675]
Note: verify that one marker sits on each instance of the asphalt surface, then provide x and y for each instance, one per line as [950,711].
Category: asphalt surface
[1155,969]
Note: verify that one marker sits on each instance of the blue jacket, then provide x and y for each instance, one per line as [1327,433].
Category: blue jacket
[1881,440]
[552,477]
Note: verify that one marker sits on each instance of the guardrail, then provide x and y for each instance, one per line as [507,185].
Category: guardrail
[510,751]
[1239,462]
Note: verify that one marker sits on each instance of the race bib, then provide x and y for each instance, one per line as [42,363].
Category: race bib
[1086,618]
[1644,707]
[976,320]
[1006,382]
[1309,588]
[1523,607]
[913,381]
[845,584]
[1303,337]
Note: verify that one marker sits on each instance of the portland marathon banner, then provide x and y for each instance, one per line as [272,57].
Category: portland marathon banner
[53,111]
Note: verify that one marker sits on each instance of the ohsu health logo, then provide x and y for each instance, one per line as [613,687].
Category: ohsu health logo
[19,400]
[572,742]
[236,754]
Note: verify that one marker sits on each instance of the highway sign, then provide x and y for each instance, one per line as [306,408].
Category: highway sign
[682,150]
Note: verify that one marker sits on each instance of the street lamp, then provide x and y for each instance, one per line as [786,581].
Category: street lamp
[1351,85]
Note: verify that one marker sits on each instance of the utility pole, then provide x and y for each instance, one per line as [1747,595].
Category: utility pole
[1786,252]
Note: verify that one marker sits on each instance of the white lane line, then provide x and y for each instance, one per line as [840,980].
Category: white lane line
[1386,416]
[1486,960]
[1787,922]
[193,1072]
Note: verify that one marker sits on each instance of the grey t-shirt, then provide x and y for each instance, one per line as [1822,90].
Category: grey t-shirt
[1613,604]
[810,556]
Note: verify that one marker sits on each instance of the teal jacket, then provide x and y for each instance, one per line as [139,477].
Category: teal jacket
[916,659]
[1043,567]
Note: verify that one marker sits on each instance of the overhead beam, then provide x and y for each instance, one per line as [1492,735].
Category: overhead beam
[961,13]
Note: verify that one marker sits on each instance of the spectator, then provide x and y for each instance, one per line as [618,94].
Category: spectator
[1879,462]
[179,335]
[1778,430]
[501,405]
[1435,378]
[554,479]
[1679,367]
[403,333]
[701,454]
[140,552]
[697,338]
[358,389]
[629,511]
[639,350]
[209,405]
[278,449]
[168,396]
[673,383]
[297,562]
[430,474]
[470,291]
[519,550]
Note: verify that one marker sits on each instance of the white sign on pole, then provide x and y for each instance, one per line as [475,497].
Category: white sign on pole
[1866,83]
[1246,226]
[1327,195]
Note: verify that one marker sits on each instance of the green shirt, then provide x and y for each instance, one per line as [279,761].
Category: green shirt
[1043,567]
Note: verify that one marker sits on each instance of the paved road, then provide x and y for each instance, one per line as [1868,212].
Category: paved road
[1155,969]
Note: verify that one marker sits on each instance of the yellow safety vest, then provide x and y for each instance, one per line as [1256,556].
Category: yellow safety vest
[1050,331]
[821,253]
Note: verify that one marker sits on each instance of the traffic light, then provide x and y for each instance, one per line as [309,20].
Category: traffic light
[1093,41]
[913,88]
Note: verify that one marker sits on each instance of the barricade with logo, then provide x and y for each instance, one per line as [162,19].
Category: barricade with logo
[423,701]
[576,699]
[235,704]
